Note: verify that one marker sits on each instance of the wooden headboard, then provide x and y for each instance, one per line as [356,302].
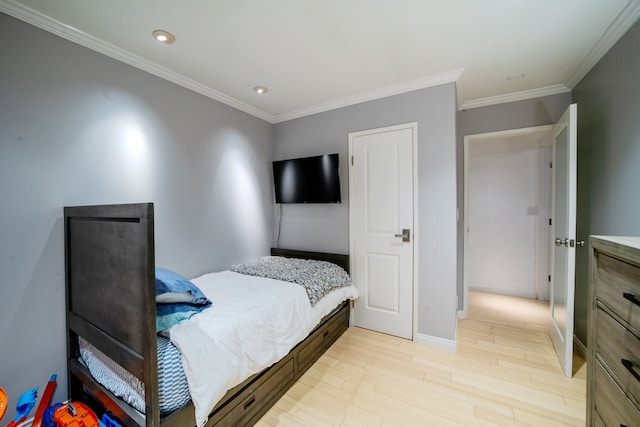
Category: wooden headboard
[341,260]
[110,282]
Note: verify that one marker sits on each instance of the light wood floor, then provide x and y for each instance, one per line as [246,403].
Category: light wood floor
[504,373]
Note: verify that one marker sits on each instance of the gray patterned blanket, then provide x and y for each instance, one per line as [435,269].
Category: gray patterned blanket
[317,277]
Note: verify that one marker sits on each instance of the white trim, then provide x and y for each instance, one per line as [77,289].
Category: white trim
[620,25]
[502,291]
[460,91]
[436,342]
[577,344]
[416,230]
[468,139]
[46,23]
[515,96]
[623,21]
[437,80]
[508,132]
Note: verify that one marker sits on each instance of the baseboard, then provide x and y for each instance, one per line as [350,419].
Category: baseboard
[436,342]
[497,290]
[581,348]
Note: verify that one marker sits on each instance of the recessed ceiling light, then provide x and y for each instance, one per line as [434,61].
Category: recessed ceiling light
[260,90]
[163,36]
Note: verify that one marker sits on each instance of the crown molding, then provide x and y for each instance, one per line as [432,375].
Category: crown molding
[46,23]
[620,25]
[515,96]
[449,77]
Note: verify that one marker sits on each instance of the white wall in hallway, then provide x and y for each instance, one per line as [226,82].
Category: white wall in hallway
[503,197]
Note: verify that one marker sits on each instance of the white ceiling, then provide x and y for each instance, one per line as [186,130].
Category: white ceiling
[315,55]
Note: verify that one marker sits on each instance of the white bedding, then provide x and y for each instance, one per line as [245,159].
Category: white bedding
[253,323]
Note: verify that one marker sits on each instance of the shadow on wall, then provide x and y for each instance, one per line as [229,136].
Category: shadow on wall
[542,114]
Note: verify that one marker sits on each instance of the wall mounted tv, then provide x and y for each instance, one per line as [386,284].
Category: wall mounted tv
[307,180]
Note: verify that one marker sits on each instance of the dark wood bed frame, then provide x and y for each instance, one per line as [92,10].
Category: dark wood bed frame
[110,297]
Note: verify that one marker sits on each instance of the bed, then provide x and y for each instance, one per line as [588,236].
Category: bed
[111,307]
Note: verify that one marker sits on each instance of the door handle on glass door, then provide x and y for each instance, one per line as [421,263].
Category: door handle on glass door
[569,242]
[560,242]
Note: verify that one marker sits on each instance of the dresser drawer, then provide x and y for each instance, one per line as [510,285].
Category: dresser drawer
[613,406]
[597,421]
[614,343]
[618,283]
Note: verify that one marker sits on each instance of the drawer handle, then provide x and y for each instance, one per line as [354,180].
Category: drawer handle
[631,297]
[249,402]
[629,365]
[325,334]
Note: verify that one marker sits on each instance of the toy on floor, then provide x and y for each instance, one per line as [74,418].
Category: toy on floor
[75,414]
[3,402]
[47,419]
[107,421]
[45,400]
[26,402]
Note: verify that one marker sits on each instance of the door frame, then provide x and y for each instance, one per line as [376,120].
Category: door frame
[414,152]
[469,139]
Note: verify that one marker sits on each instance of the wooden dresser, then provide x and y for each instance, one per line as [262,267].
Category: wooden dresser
[613,372]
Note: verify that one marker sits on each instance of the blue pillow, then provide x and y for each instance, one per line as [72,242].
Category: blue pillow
[165,321]
[177,298]
[173,288]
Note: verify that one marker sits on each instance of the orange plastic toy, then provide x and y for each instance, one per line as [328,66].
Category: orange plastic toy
[75,414]
[3,402]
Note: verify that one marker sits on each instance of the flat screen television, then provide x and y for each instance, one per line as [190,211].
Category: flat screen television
[307,180]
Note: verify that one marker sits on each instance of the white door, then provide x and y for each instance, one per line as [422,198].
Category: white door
[564,232]
[381,224]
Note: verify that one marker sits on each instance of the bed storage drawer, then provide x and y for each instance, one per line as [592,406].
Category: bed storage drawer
[322,338]
[618,288]
[611,403]
[256,396]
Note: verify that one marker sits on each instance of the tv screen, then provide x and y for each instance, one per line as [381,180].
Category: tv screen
[307,180]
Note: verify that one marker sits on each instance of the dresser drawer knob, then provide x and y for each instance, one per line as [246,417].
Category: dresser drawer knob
[629,365]
[631,297]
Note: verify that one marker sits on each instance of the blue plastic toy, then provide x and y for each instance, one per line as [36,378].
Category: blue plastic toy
[26,402]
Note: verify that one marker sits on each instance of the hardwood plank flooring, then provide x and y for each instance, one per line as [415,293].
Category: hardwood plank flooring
[503,373]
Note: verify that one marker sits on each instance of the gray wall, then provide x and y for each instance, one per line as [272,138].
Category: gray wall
[77,127]
[513,115]
[608,101]
[326,227]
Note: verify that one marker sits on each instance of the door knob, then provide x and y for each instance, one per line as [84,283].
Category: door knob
[569,242]
[405,235]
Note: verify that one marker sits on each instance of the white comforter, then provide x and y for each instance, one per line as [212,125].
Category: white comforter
[253,323]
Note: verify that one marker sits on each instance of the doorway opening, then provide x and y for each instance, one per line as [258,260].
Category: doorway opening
[507,211]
